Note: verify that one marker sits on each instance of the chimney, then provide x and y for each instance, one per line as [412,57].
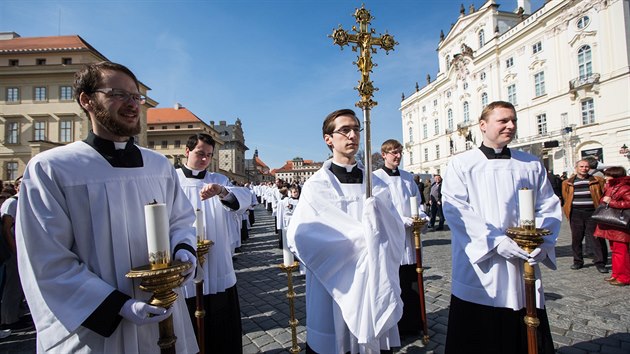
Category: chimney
[526,5]
[177,106]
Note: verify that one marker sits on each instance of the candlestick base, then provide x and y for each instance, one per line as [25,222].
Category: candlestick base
[528,238]
[417,225]
[293,322]
[161,282]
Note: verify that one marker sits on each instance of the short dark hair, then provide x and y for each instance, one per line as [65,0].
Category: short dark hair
[492,106]
[615,172]
[329,123]
[592,162]
[89,78]
[194,139]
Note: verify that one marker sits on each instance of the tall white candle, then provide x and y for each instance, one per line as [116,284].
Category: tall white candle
[414,206]
[526,208]
[156,220]
[201,235]
[287,256]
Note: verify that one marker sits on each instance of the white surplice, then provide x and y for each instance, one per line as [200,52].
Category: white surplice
[480,199]
[219,226]
[402,188]
[80,229]
[352,249]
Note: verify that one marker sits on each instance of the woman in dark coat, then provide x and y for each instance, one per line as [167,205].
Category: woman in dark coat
[617,195]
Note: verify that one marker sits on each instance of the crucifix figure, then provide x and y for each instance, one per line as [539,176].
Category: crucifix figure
[365,43]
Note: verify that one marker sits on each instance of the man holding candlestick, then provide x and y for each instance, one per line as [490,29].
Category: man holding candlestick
[481,202]
[80,228]
[403,189]
[351,248]
[220,202]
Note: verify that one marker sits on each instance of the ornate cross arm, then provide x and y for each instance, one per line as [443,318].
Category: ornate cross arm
[364,43]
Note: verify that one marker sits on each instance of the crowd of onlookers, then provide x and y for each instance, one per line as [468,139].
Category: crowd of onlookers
[13,309]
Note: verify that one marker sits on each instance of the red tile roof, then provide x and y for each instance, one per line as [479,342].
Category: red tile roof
[260,163]
[46,44]
[171,115]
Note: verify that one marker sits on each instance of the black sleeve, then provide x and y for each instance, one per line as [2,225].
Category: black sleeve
[105,319]
[231,202]
[185,246]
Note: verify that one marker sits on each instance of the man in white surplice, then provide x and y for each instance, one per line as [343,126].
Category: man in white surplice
[80,228]
[351,247]
[480,196]
[402,187]
[219,202]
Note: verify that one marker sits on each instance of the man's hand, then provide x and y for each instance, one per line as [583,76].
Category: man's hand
[210,190]
[537,256]
[408,221]
[183,255]
[141,313]
[508,249]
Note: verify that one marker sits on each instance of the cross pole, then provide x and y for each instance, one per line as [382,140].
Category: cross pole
[365,43]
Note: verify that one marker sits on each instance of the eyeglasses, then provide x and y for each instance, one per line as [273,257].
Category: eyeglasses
[345,131]
[122,95]
[395,152]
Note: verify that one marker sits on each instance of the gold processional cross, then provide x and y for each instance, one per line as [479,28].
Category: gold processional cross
[365,43]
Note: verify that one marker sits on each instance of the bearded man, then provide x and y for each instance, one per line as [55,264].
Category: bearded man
[80,228]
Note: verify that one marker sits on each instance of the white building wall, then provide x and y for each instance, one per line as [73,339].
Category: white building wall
[554,26]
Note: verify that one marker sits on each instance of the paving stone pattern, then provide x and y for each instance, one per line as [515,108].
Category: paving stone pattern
[586,314]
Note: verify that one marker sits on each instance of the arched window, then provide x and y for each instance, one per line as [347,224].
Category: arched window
[482,38]
[410,134]
[466,112]
[585,63]
[449,115]
[484,100]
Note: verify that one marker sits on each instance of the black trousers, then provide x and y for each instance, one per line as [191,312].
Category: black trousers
[583,226]
[474,328]
[223,330]
[411,322]
[436,210]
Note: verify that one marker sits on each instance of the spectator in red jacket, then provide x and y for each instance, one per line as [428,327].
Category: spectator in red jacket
[617,195]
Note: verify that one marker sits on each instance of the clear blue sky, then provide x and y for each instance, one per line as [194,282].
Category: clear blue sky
[267,62]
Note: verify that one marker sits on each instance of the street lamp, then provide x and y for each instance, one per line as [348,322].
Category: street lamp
[624,151]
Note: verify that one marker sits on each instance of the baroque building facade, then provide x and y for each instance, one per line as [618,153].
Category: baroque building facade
[37,107]
[297,170]
[565,67]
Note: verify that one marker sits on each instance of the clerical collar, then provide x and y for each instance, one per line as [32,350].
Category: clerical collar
[190,173]
[347,173]
[126,154]
[391,172]
[492,154]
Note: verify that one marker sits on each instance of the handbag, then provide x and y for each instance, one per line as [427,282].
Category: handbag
[604,214]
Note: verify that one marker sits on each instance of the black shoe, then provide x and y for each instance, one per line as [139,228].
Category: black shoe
[601,268]
[577,266]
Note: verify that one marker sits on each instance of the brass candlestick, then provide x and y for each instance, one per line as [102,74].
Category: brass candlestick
[161,282]
[528,237]
[293,322]
[203,246]
[418,224]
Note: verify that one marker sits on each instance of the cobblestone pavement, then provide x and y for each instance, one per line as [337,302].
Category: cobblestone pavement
[586,314]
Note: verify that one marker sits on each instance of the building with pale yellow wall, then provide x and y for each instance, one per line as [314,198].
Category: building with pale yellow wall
[37,108]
